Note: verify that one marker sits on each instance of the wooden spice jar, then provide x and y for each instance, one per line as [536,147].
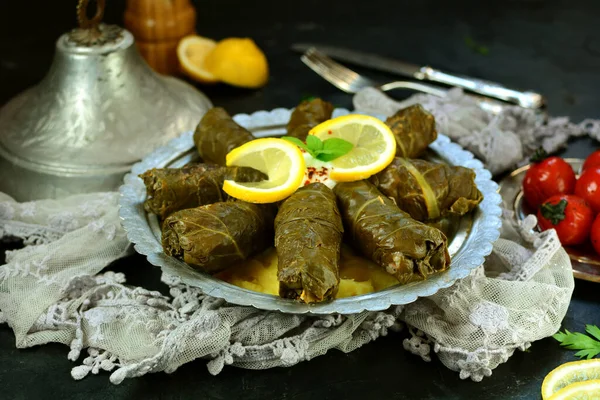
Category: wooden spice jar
[157,26]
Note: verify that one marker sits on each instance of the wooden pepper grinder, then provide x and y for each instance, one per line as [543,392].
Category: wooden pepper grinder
[157,26]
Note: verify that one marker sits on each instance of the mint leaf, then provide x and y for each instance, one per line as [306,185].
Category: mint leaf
[327,157]
[300,144]
[295,141]
[588,347]
[314,143]
[337,144]
[334,148]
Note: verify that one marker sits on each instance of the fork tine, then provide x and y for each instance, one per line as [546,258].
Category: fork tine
[325,73]
[337,74]
[336,69]
[334,66]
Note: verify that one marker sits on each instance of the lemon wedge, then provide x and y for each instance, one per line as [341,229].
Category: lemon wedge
[281,161]
[586,390]
[568,374]
[374,146]
[238,62]
[191,53]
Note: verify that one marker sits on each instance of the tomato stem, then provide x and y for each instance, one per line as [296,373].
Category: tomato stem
[554,212]
[539,155]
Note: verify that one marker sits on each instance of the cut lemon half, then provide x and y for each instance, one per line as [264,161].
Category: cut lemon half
[191,53]
[374,146]
[281,161]
[238,62]
[568,374]
[586,390]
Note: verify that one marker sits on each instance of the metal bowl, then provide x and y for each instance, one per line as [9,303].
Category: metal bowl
[585,261]
[468,249]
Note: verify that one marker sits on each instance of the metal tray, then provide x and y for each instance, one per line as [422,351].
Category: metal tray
[468,248]
[585,261]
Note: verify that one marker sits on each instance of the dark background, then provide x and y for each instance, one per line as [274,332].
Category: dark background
[550,46]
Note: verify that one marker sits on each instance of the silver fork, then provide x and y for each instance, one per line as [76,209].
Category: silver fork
[351,82]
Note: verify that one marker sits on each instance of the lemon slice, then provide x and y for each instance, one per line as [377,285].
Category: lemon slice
[280,160]
[238,62]
[586,390]
[191,53]
[374,146]
[570,373]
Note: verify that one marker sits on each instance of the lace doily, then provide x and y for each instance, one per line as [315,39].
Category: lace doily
[54,290]
[515,133]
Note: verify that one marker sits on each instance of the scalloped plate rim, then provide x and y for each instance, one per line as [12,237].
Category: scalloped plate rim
[487,220]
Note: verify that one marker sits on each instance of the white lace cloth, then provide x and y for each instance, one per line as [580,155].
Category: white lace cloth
[54,290]
[515,133]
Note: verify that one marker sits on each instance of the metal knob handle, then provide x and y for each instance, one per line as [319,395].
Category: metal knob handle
[82,18]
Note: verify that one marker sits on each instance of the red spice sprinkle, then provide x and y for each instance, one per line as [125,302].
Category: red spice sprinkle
[307,182]
[311,171]
[329,132]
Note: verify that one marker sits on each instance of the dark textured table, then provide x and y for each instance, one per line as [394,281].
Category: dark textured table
[552,46]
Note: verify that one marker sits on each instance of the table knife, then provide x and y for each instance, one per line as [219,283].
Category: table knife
[427,73]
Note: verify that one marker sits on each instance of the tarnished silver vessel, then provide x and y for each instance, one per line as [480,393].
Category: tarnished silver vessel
[99,110]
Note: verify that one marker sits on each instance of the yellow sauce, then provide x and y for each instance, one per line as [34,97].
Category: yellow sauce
[357,275]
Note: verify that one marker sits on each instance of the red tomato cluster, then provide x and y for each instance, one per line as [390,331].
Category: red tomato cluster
[564,202]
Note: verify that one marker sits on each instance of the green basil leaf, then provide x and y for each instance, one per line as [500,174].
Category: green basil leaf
[314,143]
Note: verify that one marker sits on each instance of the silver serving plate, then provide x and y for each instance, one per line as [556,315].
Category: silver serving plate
[468,248]
[585,261]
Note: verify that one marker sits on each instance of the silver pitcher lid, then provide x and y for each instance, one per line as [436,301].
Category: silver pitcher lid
[99,109]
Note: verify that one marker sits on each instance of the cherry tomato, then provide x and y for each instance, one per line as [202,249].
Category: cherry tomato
[570,215]
[592,161]
[588,187]
[595,235]
[547,178]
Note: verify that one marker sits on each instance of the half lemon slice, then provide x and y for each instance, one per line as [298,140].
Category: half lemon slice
[191,53]
[374,146]
[568,374]
[280,160]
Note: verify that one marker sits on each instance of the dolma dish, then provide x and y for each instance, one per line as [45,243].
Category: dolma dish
[217,134]
[308,239]
[405,248]
[414,129]
[307,115]
[173,189]
[359,246]
[428,191]
[212,237]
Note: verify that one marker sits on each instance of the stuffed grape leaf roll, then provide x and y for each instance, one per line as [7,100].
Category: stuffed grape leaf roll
[429,190]
[307,115]
[405,248]
[414,130]
[217,134]
[308,237]
[448,225]
[213,237]
[173,189]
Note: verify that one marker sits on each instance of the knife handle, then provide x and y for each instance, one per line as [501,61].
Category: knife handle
[486,88]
